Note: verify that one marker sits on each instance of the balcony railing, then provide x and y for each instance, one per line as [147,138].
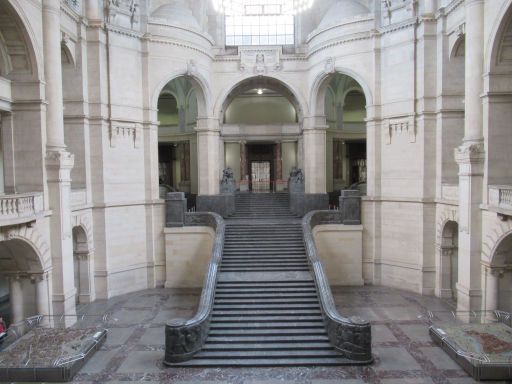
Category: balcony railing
[500,198]
[20,208]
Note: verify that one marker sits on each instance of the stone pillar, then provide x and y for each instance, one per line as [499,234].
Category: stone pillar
[42,294]
[470,158]
[16,300]
[314,136]
[53,75]
[208,137]
[183,161]
[182,118]
[59,163]
[243,160]
[492,287]
[429,8]
[93,10]
[279,162]
[300,153]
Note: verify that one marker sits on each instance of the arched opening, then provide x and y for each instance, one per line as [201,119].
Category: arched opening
[17,68]
[177,144]
[82,266]
[260,132]
[23,283]
[345,113]
[449,261]
[450,125]
[498,284]
[498,105]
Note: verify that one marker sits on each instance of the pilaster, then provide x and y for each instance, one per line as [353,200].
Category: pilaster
[470,158]
[315,145]
[58,166]
[208,137]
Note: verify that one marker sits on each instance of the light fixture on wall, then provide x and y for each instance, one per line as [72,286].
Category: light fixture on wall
[260,91]
[262,7]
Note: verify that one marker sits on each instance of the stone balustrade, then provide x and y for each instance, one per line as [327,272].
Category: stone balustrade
[500,199]
[20,208]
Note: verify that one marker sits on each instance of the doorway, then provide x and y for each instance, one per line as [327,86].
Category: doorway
[260,158]
[260,176]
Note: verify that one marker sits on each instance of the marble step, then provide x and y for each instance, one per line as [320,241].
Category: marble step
[268,332]
[265,307]
[248,326]
[275,346]
[248,340]
[255,318]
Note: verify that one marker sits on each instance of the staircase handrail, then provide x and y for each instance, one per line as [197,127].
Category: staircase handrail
[350,336]
[185,338]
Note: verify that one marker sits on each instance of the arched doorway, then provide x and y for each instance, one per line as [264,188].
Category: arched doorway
[82,265]
[449,261]
[345,113]
[260,134]
[498,277]
[23,282]
[177,143]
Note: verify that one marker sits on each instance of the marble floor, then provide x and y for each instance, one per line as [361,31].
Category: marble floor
[404,353]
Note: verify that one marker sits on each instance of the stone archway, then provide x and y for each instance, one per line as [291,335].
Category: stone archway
[82,266]
[448,261]
[24,279]
[497,277]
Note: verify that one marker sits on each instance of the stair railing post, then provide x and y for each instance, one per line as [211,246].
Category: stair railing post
[175,209]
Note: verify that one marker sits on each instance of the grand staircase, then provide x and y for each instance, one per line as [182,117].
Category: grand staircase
[262,206]
[266,310]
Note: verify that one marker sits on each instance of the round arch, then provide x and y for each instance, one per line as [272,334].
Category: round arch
[271,82]
[321,83]
[22,31]
[492,48]
[455,49]
[199,84]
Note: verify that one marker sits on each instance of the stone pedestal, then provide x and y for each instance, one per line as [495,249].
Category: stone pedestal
[350,207]
[175,208]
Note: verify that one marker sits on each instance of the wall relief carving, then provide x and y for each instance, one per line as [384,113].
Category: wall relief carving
[260,60]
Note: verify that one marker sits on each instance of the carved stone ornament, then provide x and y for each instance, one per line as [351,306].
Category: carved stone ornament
[191,68]
[470,153]
[120,133]
[330,65]
[260,60]
[399,127]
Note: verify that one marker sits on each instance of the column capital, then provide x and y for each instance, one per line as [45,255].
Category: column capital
[59,159]
[470,152]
